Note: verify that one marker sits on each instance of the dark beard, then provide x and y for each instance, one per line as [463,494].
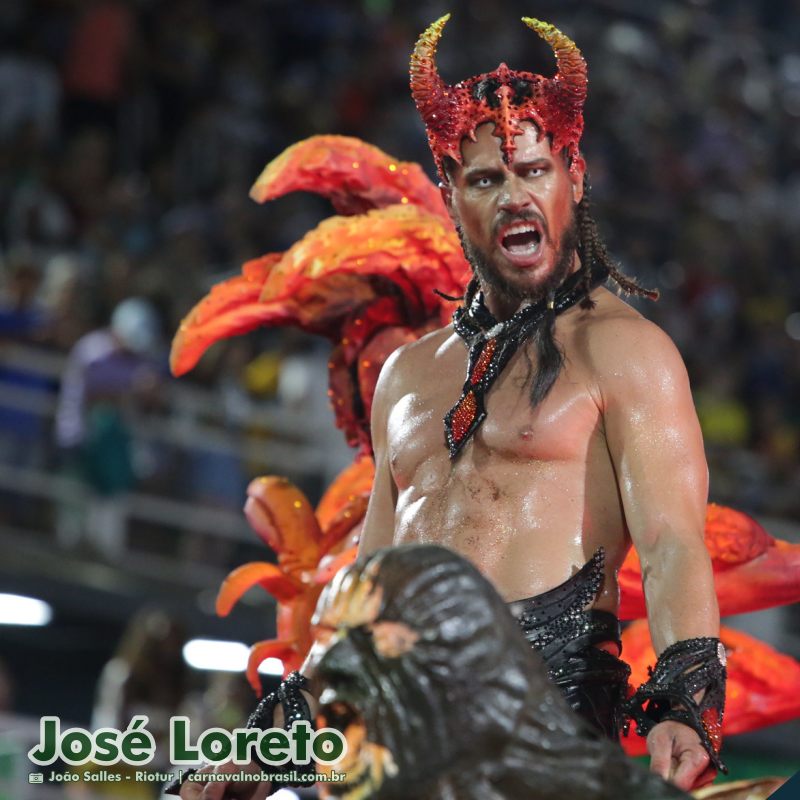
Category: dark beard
[490,277]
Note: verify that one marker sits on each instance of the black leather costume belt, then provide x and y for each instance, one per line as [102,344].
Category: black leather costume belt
[566,635]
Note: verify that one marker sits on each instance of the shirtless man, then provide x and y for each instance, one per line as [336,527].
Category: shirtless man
[605,450]
[613,455]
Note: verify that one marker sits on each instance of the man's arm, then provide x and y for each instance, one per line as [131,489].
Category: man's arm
[378,529]
[657,450]
[656,446]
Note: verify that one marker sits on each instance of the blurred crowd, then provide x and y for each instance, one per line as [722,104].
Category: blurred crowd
[131,131]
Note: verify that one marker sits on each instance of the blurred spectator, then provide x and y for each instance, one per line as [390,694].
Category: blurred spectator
[30,91]
[22,320]
[226,701]
[38,214]
[68,305]
[147,676]
[109,372]
[96,61]
[6,689]
[303,387]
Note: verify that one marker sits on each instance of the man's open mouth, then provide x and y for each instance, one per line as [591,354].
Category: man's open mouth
[522,241]
[365,764]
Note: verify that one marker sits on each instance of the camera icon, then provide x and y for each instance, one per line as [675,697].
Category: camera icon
[35,777]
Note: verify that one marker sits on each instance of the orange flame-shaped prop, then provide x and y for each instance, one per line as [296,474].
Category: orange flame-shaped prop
[310,547]
[366,281]
[355,176]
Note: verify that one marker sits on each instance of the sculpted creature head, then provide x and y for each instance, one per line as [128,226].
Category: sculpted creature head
[425,671]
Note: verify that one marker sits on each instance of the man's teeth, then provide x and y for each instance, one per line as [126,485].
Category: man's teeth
[522,240]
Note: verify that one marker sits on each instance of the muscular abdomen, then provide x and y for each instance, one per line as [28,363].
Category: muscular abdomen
[526,535]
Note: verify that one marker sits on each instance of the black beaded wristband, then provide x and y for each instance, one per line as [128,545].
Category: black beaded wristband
[682,670]
[290,696]
[295,709]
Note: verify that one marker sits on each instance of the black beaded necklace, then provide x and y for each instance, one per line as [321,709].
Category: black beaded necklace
[491,345]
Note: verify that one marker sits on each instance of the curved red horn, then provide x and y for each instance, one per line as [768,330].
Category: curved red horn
[427,87]
[571,66]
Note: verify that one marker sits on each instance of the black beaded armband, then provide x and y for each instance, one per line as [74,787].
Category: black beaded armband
[290,696]
[295,709]
[682,670]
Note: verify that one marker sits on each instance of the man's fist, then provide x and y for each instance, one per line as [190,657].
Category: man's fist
[677,755]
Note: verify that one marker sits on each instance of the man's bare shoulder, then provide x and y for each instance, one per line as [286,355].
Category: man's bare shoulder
[406,361]
[620,345]
[406,365]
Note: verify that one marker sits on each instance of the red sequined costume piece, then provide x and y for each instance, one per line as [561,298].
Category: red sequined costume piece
[464,416]
[713,728]
[465,412]
[504,97]
[483,362]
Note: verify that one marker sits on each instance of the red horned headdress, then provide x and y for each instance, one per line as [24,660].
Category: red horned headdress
[505,97]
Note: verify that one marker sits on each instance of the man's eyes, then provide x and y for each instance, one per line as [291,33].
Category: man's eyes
[485,181]
[482,181]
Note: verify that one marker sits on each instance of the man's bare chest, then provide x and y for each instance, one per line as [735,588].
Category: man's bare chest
[562,428]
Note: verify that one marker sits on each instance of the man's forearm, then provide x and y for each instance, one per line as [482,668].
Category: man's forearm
[680,707]
[679,589]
